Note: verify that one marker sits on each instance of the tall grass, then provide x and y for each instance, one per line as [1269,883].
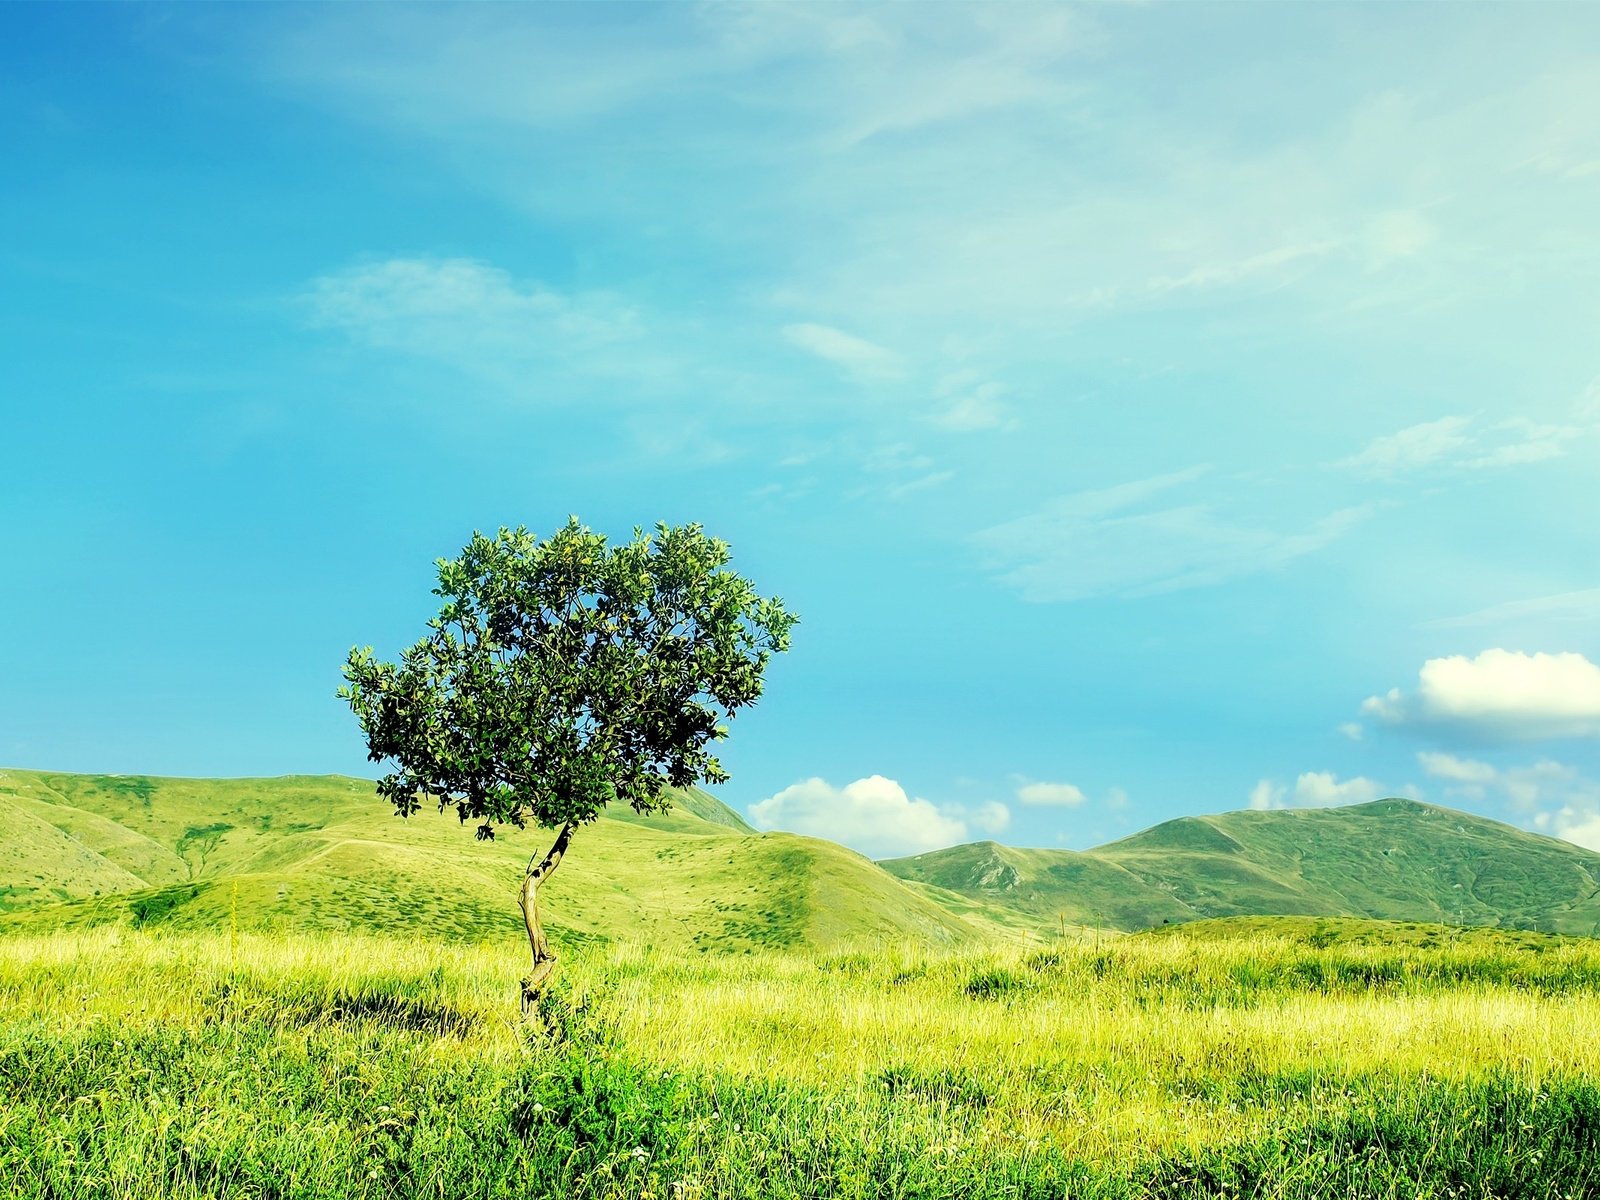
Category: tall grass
[139,1066]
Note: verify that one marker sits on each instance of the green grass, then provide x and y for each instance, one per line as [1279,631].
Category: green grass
[1237,1063]
[275,988]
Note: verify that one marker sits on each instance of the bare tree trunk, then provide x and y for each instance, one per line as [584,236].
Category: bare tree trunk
[544,959]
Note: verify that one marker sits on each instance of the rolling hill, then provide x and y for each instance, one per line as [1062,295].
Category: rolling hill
[1394,860]
[310,852]
[323,852]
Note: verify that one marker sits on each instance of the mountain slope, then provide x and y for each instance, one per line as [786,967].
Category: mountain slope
[1390,859]
[305,852]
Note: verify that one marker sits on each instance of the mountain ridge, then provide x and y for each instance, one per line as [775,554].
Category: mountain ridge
[1392,859]
[302,851]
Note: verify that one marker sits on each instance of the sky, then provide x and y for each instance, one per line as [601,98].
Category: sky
[1149,409]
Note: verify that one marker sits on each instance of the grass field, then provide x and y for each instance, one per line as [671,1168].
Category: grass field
[1268,1059]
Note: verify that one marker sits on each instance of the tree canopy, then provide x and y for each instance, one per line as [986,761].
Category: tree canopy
[562,674]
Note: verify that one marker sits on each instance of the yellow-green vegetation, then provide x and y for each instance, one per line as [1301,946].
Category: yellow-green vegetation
[1309,1059]
[324,852]
[1390,859]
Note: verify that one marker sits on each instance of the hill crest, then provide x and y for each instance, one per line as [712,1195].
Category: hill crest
[1392,859]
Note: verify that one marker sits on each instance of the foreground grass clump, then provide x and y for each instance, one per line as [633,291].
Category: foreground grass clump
[134,1066]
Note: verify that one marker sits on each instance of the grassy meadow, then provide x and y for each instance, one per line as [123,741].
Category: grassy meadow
[1259,1058]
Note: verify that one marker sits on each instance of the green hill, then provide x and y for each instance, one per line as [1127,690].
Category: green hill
[1394,860]
[323,852]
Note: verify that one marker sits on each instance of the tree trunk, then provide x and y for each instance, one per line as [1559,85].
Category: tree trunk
[544,959]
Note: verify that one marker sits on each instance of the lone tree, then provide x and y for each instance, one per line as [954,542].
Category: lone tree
[562,675]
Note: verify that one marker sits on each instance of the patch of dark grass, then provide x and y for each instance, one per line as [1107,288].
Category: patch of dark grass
[403,1006]
[158,906]
[996,983]
[1494,1137]
[946,1086]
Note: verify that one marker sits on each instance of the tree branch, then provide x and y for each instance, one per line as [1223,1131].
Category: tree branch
[553,859]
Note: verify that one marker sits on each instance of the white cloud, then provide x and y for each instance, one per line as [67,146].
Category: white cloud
[1499,695]
[873,815]
[1561,801]
[1580,827]
[1409,449]
[1456,770]
[1322,789]
[1266,794]
[968,406]
[1524,788]
[991,817]
[1035,793]
[1112,542]
[1517,442]
[1463,443]
[1314,789]
[1050,795]
[866,360]
[1353,730]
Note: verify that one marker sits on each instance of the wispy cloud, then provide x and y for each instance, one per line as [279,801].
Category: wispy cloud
[1115,542]
[1411,448]
[1582,607]
[1555,797]
[921,483]
[1051,187]
[1463,443]
[991,816]
[968,403]
[474,317]
[865,360]
[890,71]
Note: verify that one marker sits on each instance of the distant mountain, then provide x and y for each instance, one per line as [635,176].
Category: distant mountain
[1392,860]
[308,852]
[324,852]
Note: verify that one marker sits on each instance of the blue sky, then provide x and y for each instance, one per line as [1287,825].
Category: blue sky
[1149,409]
